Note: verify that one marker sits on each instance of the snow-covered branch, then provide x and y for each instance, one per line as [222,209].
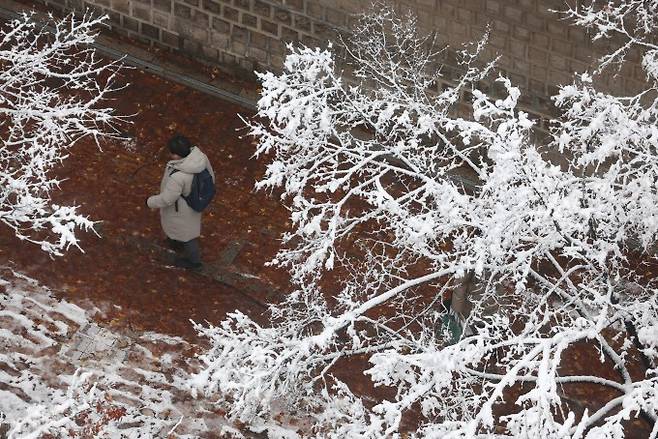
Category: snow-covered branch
[52,92]
[633,21]
[387,239]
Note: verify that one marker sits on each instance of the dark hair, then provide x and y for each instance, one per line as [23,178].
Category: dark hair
[179,145]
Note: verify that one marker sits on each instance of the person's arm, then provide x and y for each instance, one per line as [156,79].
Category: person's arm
[172,192]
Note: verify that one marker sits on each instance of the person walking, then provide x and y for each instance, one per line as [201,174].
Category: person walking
[179,221]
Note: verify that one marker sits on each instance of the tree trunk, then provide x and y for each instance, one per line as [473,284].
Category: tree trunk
[460,302]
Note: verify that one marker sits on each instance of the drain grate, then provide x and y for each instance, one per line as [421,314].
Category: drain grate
[92,342]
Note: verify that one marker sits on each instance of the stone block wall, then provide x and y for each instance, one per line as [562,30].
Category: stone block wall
[536,49]
[251,34]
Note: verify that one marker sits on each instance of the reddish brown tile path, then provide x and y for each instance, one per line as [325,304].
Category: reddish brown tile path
[121,268]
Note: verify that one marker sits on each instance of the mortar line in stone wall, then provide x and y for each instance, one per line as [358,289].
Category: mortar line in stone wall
[156,69]
[188,81]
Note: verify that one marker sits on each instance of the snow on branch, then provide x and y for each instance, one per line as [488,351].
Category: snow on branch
[634,21]
[52,92]
[452,259]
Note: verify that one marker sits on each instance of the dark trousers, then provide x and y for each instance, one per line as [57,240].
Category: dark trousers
[190,249]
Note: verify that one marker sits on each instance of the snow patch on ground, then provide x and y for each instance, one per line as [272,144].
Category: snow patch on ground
[64,375]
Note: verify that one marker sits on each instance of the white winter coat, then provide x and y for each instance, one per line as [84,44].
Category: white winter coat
[179,221]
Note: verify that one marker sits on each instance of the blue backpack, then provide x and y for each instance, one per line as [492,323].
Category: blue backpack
[202,190]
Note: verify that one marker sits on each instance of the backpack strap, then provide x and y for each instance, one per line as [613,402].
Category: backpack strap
[173,171]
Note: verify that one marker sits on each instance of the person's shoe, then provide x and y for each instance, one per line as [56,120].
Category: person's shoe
[187,264]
